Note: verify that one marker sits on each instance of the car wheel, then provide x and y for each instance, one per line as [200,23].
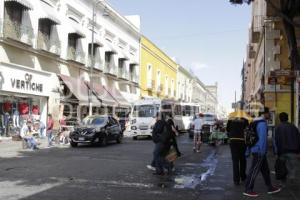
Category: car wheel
[119,139]
[104,141]
[73,144]
[134,138]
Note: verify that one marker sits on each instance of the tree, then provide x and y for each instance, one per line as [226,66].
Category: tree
[288,11]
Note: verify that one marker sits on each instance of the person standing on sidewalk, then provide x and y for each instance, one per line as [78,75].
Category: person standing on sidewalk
[50,125]
[287,141]
[259,157]
[235,128]
[198,123]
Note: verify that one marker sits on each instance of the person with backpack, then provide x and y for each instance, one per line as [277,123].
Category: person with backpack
[287,145]
[235,128]
[259,156]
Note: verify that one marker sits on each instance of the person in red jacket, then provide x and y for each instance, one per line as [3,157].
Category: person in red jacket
[50,124]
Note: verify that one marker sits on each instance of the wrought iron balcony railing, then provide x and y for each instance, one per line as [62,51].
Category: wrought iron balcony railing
[76,55]
[48,44]
[17,31]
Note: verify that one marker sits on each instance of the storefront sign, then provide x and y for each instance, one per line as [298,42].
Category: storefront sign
[17,79]
[27,84]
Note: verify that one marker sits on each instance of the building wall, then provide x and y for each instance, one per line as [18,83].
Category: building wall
[31,56]
[184,85]
[159,61]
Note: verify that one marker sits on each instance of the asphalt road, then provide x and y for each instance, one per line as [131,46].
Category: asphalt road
[117,172]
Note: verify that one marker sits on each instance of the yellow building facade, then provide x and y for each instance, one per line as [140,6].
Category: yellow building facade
[158,72]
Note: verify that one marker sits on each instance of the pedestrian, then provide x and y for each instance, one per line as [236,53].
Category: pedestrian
[50,125]
[198,122]
[287,145]
[235,129]
[170,141]
[26,135]
[41,128]
[259,156]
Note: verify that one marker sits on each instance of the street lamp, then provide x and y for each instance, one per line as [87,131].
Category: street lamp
[95,4]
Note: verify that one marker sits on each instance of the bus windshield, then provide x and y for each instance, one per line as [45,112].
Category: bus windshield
[145,110]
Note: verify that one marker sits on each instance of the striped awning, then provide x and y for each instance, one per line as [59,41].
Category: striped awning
[50,13]
[76,28]
[25,3]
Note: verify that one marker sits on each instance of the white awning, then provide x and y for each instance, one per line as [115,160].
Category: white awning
[49,12]
[76,28]
[25,3]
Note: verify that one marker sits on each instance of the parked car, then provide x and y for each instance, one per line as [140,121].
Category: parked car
[96,129]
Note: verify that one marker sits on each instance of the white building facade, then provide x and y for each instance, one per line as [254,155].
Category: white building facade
[47,49]
[184,85]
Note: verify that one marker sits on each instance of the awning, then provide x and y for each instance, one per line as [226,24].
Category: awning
[79,90]
[110,48]
[76,28]
[102,94]
[25,3]
[50,13]
[122,102]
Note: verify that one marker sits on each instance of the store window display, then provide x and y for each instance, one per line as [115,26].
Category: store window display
[14,111]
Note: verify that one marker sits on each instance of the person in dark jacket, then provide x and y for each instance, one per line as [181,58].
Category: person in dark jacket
[287,141]
[235,128]
[157,136]
[259,157]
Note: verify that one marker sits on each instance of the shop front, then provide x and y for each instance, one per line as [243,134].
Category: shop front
[24,94]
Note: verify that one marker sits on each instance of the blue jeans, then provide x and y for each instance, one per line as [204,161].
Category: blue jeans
[49,136]
[31,143]
[41,132]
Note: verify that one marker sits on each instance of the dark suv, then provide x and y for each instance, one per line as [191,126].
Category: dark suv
[96,129]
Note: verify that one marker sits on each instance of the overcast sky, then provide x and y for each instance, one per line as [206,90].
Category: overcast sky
[207,36]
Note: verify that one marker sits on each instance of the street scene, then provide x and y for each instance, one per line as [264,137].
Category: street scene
[114,99]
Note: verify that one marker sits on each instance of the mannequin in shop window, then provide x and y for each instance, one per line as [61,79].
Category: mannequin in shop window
[16,116]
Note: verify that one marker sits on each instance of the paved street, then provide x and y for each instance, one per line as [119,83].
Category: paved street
[118,172]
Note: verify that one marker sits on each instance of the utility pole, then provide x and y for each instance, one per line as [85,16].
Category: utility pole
[92,57]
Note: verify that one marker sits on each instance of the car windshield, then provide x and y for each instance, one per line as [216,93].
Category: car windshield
[208,117]
[145,110]
[93,121]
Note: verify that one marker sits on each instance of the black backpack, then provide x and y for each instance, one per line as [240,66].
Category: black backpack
[250,135]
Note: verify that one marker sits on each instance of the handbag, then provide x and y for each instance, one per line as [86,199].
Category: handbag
[281,170]
[171,155]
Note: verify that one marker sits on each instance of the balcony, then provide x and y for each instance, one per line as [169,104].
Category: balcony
[133,77]
[109,69]
[122,73]
[97,64]
[159,88]
[49,45]
[150,84]
[18,32]
[76,55]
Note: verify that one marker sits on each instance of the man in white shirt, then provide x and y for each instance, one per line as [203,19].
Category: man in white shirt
[198,122]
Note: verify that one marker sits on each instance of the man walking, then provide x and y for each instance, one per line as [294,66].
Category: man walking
[235,128]
[259,157]
[198,122]
[287,141]
[50,125]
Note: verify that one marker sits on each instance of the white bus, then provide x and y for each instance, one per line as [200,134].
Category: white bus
[143,117]
[184,114]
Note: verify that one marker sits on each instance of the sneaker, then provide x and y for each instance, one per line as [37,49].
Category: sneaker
[250,194]
[150,167]
[274,190]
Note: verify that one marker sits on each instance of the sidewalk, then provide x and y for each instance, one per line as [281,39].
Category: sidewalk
[223,179]
[10,148]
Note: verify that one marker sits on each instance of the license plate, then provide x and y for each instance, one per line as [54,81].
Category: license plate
[81,139]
